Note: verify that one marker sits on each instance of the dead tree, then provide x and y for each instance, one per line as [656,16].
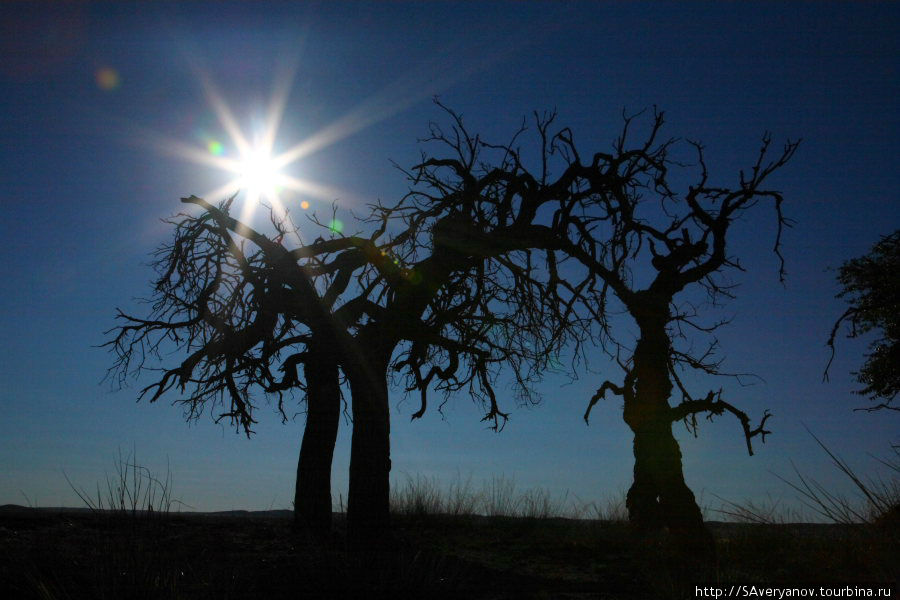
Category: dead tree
[458,298]
[618,218]
[245,319]
[627,212]
[241,306]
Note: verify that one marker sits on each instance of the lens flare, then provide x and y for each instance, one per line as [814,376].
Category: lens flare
[259,166]
[107,79]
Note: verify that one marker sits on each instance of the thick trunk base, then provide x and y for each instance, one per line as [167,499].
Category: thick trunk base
[312,495]
[660,504]
[659,501]
[368,498]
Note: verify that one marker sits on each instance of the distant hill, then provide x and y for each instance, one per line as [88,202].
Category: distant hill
[18,510]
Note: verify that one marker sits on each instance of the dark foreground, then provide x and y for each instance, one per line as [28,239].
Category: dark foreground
[50,554]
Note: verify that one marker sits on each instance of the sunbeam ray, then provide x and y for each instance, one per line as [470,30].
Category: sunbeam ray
[258,171]
[223,113]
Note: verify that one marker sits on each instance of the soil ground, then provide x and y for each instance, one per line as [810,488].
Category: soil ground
[74,553]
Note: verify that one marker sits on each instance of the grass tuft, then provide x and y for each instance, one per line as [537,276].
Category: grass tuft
[133,491]
[859,539]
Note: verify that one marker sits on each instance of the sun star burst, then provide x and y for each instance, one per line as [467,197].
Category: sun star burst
[255,171]
[261,174]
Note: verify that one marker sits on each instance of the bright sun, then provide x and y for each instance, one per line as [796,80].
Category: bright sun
[254,169]
[262,175]
[258,174]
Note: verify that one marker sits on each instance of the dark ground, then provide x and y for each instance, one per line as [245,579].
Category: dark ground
[73,553]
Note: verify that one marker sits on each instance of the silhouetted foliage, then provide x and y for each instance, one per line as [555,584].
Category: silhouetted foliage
[871,286]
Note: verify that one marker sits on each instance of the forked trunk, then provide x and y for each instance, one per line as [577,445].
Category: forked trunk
[312,496]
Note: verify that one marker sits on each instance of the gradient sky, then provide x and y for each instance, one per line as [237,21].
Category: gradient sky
[99,102]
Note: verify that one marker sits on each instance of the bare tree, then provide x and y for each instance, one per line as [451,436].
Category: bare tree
[482,264]
[242,306]
[458,296]
[246,317]
[641,243]
[630,212]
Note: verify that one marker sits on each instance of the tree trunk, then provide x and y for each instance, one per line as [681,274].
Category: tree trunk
[368,498]
[659,498]
[312,496]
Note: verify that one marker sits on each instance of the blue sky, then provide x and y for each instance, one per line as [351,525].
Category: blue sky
[94,98]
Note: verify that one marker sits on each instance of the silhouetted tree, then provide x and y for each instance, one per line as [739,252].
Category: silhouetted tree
[435,289]
[871,286]
[617,216]
[630,215]
[483,266]
[242,315]
[461,299]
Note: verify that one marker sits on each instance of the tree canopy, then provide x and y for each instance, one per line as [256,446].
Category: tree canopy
[871,286]
[441,292]
[496,257]
[614,227]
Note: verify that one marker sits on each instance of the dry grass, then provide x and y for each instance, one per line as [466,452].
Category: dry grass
[497,497]
[858,541]
[452,541]
[133,491]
